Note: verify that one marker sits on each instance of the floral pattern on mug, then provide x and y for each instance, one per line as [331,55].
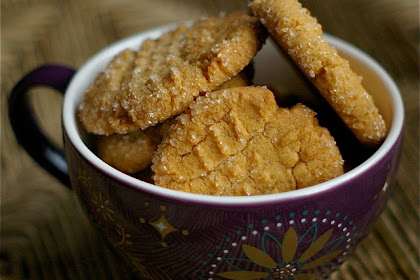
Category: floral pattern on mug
[287,268]
[278,251]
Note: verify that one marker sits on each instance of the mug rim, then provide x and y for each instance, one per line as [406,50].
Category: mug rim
[70,128]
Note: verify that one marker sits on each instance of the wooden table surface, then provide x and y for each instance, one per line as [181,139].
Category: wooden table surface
[44,232]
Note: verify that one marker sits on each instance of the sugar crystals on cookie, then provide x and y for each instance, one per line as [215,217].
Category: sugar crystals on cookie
[301,37]
[100,110]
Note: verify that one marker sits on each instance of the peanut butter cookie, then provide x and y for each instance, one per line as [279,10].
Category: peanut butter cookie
[132,152]
[301,37]
[239,142]
[170,72]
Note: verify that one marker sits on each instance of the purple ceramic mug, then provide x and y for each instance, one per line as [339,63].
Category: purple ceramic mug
[166,234]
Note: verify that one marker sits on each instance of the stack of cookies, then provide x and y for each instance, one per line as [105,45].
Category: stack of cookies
[183,108]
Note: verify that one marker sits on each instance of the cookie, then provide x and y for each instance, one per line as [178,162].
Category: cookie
[100,111]
[301,37]
[237,141]
[170,72]
[132,152]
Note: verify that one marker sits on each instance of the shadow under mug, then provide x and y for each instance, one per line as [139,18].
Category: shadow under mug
[166,234]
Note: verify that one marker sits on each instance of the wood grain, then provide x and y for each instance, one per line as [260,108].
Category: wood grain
[44,233]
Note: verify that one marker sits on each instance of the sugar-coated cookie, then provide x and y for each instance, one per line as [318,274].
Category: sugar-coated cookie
[170,72]
[301,37]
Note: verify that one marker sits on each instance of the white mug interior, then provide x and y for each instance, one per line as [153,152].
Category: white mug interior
[270,65]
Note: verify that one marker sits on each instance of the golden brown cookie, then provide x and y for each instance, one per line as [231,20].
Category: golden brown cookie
[301,37]
[100,111]
[239,142]
[132,152]
[170,72]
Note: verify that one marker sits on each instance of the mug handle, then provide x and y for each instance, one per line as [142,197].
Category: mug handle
[24,124]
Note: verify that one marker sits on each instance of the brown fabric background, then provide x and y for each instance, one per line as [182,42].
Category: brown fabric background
[44,233]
